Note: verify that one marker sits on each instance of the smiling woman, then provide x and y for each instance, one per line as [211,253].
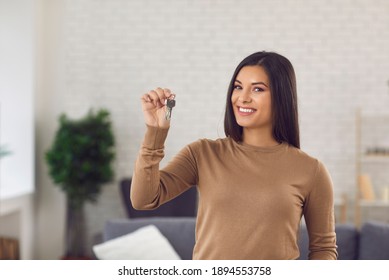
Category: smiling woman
[266,80]
[251,101]
[256,184]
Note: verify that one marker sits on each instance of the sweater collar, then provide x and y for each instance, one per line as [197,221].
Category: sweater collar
[271,149]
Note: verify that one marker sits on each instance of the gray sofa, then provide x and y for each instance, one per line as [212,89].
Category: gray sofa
[370,242]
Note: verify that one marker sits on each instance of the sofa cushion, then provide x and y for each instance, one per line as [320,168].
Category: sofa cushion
[146,243]
[179,231]
[374,241]
[346,240]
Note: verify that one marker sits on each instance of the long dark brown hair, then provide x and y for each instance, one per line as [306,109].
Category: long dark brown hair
[283,95]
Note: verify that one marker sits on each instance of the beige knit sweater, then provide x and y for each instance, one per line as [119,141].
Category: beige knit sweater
[251,199]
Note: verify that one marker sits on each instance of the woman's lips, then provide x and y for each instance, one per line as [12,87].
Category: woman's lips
[245,111]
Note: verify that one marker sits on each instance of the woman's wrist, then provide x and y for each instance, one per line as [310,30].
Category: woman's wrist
[155,137]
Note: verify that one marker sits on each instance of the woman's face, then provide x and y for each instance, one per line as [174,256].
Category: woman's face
[251,98]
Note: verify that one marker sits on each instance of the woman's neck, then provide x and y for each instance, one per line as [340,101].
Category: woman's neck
[259,137]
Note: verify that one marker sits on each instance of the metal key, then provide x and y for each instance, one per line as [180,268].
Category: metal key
[170,103]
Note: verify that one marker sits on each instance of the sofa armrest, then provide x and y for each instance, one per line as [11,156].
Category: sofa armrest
[374,241]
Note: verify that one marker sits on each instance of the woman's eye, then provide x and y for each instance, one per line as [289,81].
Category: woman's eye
[258,89]
[237,87]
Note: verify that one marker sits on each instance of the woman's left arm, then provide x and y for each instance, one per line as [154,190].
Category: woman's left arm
[319,216]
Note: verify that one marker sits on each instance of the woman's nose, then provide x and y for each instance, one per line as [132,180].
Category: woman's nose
[245,96]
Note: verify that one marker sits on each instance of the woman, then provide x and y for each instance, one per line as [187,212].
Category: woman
[255,184]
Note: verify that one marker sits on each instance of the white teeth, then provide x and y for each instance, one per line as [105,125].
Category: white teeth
[246,110]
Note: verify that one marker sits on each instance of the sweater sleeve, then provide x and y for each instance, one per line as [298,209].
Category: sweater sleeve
[319,217]
[150,186]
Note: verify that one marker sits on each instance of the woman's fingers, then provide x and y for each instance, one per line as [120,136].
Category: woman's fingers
[157,96]
[163,94]
[153,104]
[153,94]
[169,94]
[146,98]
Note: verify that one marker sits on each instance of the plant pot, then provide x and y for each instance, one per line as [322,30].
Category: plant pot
[75,231]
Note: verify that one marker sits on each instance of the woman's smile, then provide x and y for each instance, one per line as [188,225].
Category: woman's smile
[246,111]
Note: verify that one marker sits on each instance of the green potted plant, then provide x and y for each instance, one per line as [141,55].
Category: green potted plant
[79,162]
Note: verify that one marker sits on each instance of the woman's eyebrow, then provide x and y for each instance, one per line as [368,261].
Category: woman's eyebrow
[256,83]
[260,83]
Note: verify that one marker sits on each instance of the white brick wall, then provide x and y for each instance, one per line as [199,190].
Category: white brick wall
[117,50]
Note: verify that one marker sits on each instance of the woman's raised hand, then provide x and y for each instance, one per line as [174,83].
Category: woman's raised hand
[154,108]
